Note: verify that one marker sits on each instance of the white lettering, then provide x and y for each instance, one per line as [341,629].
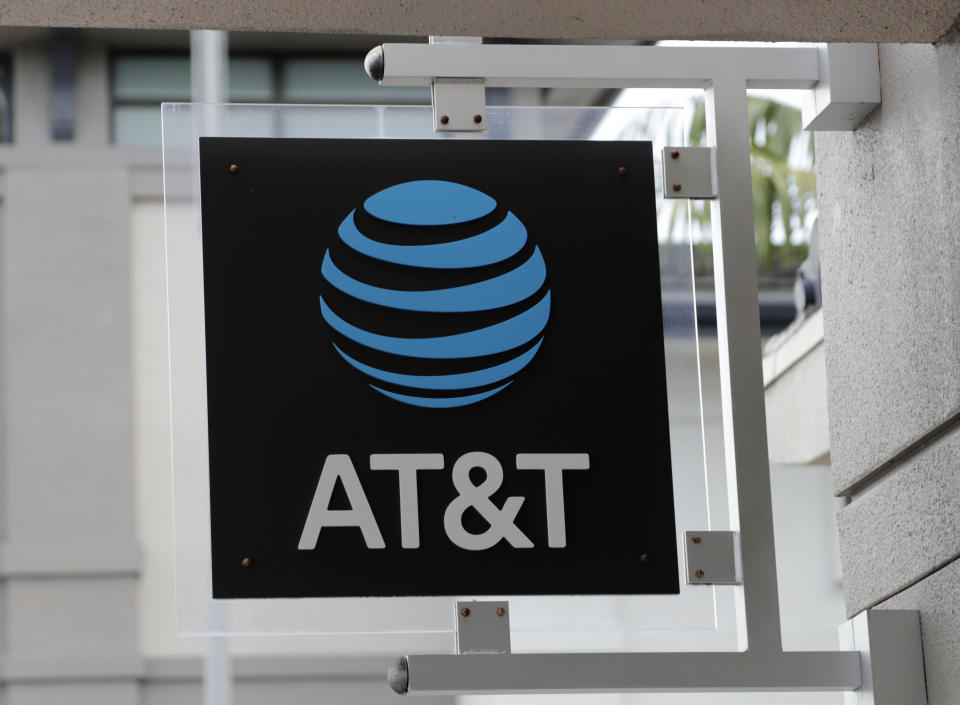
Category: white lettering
[553,465]
[478,497]
[359,514]
[407,465]
[501,520]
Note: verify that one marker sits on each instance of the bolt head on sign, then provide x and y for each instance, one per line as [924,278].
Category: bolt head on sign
[416,372]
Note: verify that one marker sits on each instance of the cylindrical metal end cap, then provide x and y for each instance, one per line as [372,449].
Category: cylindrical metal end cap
[373,63]
[398,676]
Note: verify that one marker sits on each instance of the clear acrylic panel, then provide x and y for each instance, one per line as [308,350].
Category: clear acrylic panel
[699,618]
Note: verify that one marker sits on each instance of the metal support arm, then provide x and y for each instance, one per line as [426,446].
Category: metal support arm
[883,666]
[687,672]
[845,78]
[546,66]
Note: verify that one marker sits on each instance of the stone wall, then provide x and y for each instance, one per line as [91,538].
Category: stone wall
[890,255]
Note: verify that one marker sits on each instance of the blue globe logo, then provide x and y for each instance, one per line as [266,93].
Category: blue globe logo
[435,294]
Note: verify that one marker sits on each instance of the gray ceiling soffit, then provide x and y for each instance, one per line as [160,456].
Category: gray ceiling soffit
[921,21]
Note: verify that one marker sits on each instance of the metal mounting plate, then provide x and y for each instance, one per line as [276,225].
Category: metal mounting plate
[713,558]
[483,627]
[848,90]
[891,657]
[689,172]
[459,105]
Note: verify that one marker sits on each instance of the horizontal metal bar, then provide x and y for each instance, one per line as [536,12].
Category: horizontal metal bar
[686,672]
[599,66]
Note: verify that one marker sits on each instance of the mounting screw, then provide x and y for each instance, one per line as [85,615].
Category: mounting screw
[699,573]
[675,154]
[622,170]
[676,187]
[465,612]
[644,557]
[478,118]
[234,169]
[444,119]
[246,563]
[696,539]
[501,611]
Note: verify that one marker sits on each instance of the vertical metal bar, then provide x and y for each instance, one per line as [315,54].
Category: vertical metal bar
[217,664]
[208,84]
[741,372]
[208,66]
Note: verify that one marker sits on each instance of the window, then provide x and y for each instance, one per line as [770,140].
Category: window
[140,82]
[6,103]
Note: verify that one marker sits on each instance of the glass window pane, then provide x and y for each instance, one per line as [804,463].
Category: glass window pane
[341,80]
[137,125]
[251,79]
[151,78]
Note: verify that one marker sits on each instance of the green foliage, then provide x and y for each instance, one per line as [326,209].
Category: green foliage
[781,191]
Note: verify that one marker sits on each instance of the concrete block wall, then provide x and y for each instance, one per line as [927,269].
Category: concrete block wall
[890,255]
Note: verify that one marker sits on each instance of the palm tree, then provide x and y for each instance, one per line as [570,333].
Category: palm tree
[784,188]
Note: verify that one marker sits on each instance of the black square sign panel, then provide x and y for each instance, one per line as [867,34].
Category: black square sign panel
[435,367]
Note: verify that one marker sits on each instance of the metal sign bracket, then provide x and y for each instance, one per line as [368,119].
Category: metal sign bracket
[689,172]
[848,89]
[844,86]
[483,627]
[459,104]
[713,558]
[884,646]
[891,657]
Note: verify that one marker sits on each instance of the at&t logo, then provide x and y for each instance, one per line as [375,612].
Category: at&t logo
[435,294]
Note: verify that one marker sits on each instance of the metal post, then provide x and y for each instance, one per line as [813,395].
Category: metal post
[741,366]
[208,84]
[208,66]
